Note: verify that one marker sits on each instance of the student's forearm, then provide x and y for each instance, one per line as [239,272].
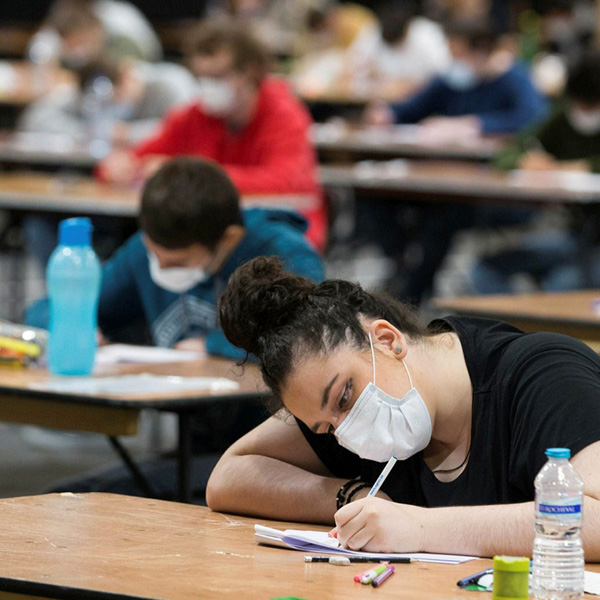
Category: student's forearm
[499,529]
[480,530]
[267,487]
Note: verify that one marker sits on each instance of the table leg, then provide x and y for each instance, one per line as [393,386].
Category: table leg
[184,455]
[138,476]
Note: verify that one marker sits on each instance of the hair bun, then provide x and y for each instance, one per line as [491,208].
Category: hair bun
[260,298]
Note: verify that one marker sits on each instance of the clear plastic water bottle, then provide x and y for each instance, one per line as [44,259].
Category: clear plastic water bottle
[97,110]
[73,279]
[558,563]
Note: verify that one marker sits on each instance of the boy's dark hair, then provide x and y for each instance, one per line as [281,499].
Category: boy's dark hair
[189,201]
[249,54]
[395,19]
[583,81]
[479,34]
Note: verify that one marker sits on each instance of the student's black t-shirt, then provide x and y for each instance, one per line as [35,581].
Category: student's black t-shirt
[531,391]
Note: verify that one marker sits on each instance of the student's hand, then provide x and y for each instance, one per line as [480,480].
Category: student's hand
[438,131]
[377,525]
[191,345]
[120,166]
[538,160]
[378,113]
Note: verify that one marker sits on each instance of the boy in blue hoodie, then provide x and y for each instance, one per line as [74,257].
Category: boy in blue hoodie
[193,236]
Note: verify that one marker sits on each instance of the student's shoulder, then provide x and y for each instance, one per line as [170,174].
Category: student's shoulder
[271,227]
[278,102]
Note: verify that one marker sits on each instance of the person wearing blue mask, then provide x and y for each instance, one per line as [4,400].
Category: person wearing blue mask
[193,236]
[485,91]
[467,406]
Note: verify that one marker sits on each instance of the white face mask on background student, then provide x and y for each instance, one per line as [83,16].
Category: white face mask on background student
[585,122]
[460,76]
[175,279]
[380,426]
[216,96]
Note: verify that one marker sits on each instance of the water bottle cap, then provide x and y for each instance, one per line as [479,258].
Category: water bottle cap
[514,564]
[558,453]
[75,232]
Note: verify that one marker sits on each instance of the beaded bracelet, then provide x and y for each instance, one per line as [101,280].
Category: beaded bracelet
[346,493]
[357,489]
[341,496]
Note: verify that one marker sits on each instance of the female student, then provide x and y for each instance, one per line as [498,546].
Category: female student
[467,405]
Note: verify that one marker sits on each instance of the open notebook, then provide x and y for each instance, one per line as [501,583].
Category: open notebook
[319,541]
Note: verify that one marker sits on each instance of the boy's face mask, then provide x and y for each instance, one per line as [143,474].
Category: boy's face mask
[216,96]
[380,426]
[175,279]
[460,76]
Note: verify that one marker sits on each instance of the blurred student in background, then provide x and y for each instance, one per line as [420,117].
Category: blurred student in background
[242,118]
[77,32]
[139,95]
[485,91]
[142,93]
[193,236]
[568,141]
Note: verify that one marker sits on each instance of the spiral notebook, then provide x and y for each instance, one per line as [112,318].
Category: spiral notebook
[319,541]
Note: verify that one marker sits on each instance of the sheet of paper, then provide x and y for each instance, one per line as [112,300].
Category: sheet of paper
[144,383]
[592,583]
[319,541]
[112,354]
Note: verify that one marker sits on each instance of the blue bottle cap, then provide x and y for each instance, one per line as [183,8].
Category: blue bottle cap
[75,232]
[558,453]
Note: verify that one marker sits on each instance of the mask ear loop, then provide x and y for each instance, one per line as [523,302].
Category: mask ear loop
[409,377]
[372,355]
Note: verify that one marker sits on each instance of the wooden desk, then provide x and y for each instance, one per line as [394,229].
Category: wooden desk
[103,546]
[340,141]
[27,191]
[464,182]
[108,547]
[571,313]
[117,415]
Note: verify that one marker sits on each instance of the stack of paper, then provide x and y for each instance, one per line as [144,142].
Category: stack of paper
[319,541]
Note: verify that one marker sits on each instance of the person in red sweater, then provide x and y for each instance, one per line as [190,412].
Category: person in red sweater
[244,119]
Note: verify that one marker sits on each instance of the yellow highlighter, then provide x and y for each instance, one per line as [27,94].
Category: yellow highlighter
[27,348]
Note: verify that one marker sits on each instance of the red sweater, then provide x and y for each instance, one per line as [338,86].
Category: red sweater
[272,154]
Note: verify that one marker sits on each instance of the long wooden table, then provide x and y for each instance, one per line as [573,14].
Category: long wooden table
[574,313]
[42,192]
[117,415]
[463,182]
[340,140]
[102,546]
[108,547]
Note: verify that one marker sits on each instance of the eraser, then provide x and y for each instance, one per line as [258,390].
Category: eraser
[339,560]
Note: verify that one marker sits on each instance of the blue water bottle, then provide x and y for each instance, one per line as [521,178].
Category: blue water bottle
[73,279]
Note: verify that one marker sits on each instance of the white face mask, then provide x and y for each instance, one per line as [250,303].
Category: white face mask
[380,426]
[460,76]
[216,96]
[175,279]
[585,122]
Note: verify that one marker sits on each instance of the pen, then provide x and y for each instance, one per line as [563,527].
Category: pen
[376,486]
[381,578]
[386,471]
[473,578]
[360,559]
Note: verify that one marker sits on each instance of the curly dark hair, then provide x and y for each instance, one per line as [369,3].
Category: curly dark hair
[278,316]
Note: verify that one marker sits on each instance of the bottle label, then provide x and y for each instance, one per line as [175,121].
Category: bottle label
[553,509]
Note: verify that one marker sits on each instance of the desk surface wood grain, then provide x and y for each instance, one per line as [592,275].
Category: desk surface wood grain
[94,545]
[574,313]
